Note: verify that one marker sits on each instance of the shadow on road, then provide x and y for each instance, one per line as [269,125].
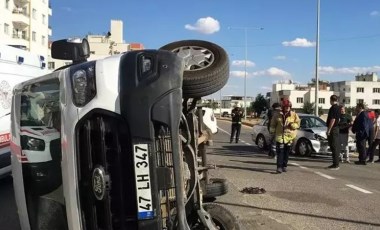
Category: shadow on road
[8,218]
[256,162]
[303,214]
[270,171]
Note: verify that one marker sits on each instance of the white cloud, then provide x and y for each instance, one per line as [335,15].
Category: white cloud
[68,9]
[347,70]
[375,13]
[238,73]
[206,25]
[280,57]
[299,42]
[273,72]
[240,63]
[265,88]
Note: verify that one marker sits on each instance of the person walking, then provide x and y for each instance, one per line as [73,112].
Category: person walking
[284,127]
[345,122]
[361,129]
[333,131]
[276,108]
[237,114]
[376,141]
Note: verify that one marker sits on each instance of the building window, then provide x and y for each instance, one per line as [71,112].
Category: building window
[34,14]
[321,100]
[44,19]
[51,65]
[376,90]
[360,101]
[360,90]
[6,4]
[376,102]
[299,99]
[43,40]
[34,36]
[6,28]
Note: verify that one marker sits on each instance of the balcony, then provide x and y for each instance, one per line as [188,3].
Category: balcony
[20,18]
[49,31]
[21,2]
[20,40]
[50,11]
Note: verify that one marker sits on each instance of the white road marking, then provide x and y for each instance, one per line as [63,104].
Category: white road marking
[295,164]
[358,189]
[247,143]
[325,176]
[224,131]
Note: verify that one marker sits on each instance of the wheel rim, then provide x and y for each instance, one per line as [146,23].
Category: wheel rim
[218,224]
[261,142]
[302,148]
[195,57]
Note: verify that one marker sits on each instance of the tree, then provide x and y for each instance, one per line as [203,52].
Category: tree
[308,107]
[320,111]
[260,104]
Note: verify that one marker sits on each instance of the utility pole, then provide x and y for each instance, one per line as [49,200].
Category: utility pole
[317,63]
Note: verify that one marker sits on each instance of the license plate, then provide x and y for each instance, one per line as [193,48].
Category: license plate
[143,185]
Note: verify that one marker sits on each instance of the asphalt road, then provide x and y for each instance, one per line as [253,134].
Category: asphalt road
[308,196]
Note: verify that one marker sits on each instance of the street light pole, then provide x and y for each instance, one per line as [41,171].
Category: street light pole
[317,63]
[245,61]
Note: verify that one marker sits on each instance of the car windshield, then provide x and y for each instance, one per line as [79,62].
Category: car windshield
[312,122]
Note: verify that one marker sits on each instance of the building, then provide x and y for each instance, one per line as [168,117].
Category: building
[25,24]
[298,94]
[230,101]
[104,45]
[365,89]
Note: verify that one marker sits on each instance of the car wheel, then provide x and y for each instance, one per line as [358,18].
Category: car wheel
[216,187]
[222,218]
[206,66]
[260,142]
[303,148]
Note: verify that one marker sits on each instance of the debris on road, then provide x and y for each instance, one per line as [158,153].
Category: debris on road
[253,190]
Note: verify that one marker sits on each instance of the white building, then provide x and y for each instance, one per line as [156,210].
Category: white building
[298,94]
[365,89]
[102,46]
[25,24]
[230,101]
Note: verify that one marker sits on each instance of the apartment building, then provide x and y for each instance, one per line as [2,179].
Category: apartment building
[25,24]
[365,89]
[299,94]
[104,45]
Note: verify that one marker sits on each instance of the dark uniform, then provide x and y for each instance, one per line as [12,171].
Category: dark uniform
[333,138]
[237,114]
[344,126]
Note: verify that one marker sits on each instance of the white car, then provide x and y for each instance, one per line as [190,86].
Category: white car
[311,137]
[209,120]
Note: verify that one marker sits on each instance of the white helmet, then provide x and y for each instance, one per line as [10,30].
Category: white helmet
[238,105]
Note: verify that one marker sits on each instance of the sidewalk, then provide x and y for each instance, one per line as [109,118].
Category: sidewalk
[249,122]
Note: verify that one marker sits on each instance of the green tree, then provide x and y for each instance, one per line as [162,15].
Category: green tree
[308,107]
[320,111]
[260,104]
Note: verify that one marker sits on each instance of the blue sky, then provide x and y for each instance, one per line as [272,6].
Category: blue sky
[285,49]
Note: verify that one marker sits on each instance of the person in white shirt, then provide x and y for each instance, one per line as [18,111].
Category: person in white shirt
[376,141]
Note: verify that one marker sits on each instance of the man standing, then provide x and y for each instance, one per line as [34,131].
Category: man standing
[236,114]
[276,108]
[376,141]
[333,131]
[284,127]
[361,129]
[344,124]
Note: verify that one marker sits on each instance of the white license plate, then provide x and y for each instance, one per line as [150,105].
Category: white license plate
[143,185]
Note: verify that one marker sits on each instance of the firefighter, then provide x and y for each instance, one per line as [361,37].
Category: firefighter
[284,127]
